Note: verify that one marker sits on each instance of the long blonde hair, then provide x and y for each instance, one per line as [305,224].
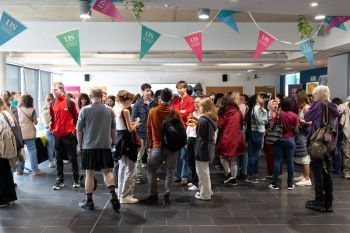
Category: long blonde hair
[236,96]
[208,108]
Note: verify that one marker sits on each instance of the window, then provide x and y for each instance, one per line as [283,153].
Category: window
[45,87]
[13,82]
[31,85]
[291,79]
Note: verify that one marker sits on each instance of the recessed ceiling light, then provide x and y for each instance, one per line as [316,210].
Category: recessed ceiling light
[314,4]
[320,17]
[287,68]
[203,13]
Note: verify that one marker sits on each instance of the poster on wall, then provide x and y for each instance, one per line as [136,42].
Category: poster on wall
[292,89]
[75,90]
[310,87]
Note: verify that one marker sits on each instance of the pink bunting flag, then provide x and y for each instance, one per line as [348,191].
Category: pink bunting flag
[108,8]
[195,42]
[264,41]
[337,20]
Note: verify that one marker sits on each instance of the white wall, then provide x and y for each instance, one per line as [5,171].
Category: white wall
[339,76]
[132,81]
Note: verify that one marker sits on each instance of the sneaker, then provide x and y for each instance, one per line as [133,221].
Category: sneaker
[84,204]
[291,187]
[193,188]
[299,178]
[76,185]
[166,200]
[199,197]
[115,203]
[304,182]
[128,200]
[260,178]
[189,184]
[347,176]
[232,182]
[252,180]
[229,179]
[273,186]
[58,185]
[269,177]
[183,181]
[138,181]
[4,205]
[65,161]
[150,200]
[144,165]
[52,165]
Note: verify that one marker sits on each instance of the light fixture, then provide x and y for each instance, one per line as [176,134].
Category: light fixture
[180,64]
[85,10]
[236,64]
[314,4]
[287,68]
[320,17]
[203,13]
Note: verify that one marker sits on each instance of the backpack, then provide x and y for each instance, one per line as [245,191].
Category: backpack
[70,108]
[174,133]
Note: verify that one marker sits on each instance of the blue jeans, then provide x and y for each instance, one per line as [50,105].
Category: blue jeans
[50,144]
[255,141]
[243,164]
[32,156]
[181,171]
[285,150]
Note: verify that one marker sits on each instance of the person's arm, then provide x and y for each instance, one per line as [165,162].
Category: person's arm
[188,108]
[34,117]
[113,127]
[75,110]
[52,117]
[296,125]
[302,120]
[134,112]
[149,131]
[131,127]
[80,128]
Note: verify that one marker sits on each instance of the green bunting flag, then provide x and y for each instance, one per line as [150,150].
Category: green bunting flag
[70,40]
[148,38]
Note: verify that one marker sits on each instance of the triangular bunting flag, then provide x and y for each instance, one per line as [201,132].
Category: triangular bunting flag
[308,50]
[148,38]
[93,1]
[227,17]
[264,41]
[9,28]
[195,42]
[70,40]
[108,8]
[337,20]
[329,19]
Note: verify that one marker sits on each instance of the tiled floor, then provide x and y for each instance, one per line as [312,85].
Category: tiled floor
[241,209]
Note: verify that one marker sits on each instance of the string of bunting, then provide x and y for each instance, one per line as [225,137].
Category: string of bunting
[10,27]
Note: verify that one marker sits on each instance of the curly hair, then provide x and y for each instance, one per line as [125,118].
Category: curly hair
[27,101]
[124,95]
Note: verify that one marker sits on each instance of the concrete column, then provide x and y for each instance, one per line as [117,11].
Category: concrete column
[3,75]
[339,76]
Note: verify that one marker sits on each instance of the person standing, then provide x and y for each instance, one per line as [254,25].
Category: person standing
[159,154]
[321,167]
[140,110]
[96,130]
[64,114]
[345,123]
[205,147]
[184,105]
[6,98]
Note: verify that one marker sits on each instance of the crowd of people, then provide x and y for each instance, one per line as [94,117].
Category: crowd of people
[184,133]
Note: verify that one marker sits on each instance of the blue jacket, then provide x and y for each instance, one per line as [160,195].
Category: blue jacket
[140,109]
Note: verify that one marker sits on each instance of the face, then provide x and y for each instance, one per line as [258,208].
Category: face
[110,102]
[147,93]
[274,105]
[196,104]
[57,91]
[4,97]
[218,103]
[104,97]
[83,102]
[181,90]
[48,102]
[259,100]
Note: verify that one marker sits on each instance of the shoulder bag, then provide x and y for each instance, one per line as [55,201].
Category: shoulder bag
[274,133]
[16,130]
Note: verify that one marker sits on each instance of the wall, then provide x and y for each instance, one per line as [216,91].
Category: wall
[132,81]
[339,76]
[305,75]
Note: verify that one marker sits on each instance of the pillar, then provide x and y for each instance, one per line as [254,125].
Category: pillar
[339,76]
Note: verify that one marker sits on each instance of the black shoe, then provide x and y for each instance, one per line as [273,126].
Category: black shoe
[84,204]
[150,200]
[58,185]
[166,200]
[115,203]
[231,180]
[273,186]
[316,206]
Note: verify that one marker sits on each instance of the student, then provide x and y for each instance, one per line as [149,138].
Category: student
[205,147]
[96,135]
[345,123]
[83,100]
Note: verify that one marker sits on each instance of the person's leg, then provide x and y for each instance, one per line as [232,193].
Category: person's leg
[268,149]
[139,157]
[178,169]
[32,154]
[233,161]
[204,180]
[170,160]
[289,152]
[89,184]
[50,145]
[184,170]
[244,163]
[346,157]
[70,143]
[225,164]
[60,152]
[278,154]
[250,156]
[129,179]
[20,167]
[191,161]
[328,186]
[257,146]
[154,161]
[306,171]
[115,172]
[121,176]
[318,180]
[109,181]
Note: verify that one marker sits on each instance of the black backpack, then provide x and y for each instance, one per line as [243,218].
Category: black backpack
[174,133]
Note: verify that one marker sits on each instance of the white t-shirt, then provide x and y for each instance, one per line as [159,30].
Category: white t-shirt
[120,125]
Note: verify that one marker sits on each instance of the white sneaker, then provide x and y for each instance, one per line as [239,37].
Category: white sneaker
[193,188]
[199,197]
[299,178]
[189,184]
[65,161]
[52,165]
[304,182]
[128,200]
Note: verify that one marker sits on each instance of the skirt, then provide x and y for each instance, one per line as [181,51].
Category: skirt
[7,185]
[97,159]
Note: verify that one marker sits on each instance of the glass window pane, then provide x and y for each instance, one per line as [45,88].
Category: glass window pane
[13,82]
[31,83]
[45,86]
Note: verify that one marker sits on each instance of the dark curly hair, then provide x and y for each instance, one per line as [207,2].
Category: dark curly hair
[27,101]
[124,95]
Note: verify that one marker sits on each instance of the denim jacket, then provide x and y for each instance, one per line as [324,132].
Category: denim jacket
[140,109]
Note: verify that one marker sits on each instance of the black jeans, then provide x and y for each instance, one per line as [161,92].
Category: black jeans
[323,182]
[66,145]
[191,161]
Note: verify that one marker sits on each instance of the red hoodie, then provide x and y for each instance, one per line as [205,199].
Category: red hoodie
[62,122]
[186,103]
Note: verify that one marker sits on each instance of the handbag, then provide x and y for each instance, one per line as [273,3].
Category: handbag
[17,132]
[320,143]
[274,134]
[136,138]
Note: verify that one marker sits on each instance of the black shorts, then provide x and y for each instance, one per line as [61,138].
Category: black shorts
[97,159]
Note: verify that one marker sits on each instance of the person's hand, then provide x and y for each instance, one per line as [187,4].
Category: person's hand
[149,150]
[182,111]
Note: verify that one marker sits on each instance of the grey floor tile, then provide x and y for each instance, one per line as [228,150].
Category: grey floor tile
[327,218]
[189,221]
[313,228]
[167,229]
[280,220]
[215,229]
[22,230]
[67,229]
[264,229]
[234,220]
[117,230]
